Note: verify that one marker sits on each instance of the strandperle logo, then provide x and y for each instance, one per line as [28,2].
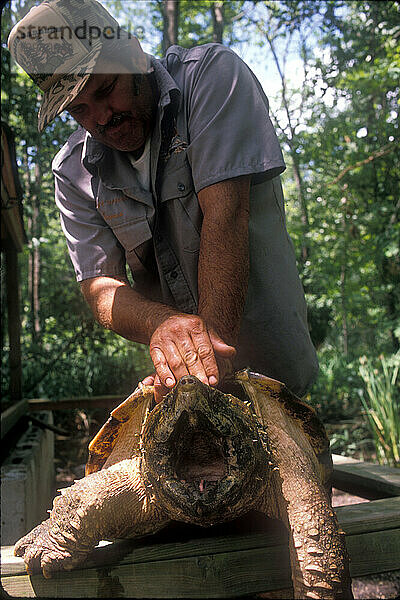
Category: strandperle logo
[82,32]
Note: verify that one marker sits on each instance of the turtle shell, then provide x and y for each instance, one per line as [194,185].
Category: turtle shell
[262,389]
[119,438]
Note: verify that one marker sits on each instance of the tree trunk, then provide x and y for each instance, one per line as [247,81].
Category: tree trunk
[36,251]
[28,189]
[14,322]
[217,12]
[32,191]
[170,10]
[291,138]
[6,66]
[343,280]
[305,249]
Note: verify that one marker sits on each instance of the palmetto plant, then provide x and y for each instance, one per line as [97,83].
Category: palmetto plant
[381,402]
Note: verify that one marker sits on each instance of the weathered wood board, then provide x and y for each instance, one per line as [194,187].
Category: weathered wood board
[110,402]
[12,415]
[187,562]
[365,479]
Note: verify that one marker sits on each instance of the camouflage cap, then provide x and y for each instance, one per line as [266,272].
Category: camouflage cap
[58,44]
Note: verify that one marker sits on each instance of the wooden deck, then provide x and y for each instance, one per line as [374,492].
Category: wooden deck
[247,556]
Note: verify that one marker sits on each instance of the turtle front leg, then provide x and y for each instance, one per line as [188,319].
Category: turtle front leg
[108,504]
[318,554]
[298,494]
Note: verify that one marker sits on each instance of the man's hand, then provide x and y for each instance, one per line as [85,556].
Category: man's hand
[160,390]
[183,345]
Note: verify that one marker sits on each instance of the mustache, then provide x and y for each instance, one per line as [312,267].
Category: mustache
[115,120]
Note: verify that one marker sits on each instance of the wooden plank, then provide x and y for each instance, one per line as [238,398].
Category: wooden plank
[184,541]
[177,542]
[207,566]
[373,553]
[18,587]
[12,415]
[224,575]
[110,402]
[364,479]
[379,515]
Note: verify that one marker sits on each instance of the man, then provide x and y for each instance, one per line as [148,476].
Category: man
[174,172]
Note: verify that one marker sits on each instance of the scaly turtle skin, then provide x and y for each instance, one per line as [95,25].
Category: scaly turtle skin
[203,457]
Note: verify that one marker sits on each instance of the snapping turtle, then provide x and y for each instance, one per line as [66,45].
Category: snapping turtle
[202,456]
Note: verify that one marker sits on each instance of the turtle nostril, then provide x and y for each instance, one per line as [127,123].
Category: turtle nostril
[188,380]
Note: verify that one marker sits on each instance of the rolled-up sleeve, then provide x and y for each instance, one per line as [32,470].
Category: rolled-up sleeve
[93,248]
[230,130]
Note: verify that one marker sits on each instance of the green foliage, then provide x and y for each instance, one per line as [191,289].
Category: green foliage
[339,128]
[344,145]
[334,393]
[381,402]
[350,438]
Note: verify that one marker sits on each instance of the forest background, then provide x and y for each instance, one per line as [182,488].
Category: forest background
[331,70]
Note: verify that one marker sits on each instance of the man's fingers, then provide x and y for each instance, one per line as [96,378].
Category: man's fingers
[206,363]
[159,389]
[220,347]
[192,354]
[149,380]
[160,363]
[183,345]
[174,361]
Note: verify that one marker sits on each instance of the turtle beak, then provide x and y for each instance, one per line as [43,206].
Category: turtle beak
[190,394]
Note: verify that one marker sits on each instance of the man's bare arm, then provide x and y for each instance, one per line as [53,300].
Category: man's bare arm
[176,340]
[182,344]
[224,255]
[117,306]
[222,281]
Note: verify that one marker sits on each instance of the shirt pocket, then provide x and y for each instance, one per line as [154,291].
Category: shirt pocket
[132,234]
[180,203]
[135,237]
[126,217]
[177,177]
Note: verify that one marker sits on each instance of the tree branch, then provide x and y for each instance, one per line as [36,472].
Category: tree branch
[51,365]
[385,150]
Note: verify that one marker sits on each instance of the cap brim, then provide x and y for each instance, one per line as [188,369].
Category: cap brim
[66,89]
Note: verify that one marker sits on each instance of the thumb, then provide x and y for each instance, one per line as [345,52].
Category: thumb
[219,346]
[159,390]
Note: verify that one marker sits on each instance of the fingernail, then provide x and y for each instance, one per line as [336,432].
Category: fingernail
[169,382]
[212,380]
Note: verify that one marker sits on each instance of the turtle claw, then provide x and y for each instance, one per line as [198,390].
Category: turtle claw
[41,553]
[31,540]
[52,561]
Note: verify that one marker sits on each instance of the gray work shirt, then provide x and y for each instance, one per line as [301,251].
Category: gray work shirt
[212,125]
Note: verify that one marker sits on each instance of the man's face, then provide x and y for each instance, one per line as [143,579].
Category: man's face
[113,111]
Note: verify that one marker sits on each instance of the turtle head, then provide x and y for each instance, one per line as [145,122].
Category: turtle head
[202,454]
